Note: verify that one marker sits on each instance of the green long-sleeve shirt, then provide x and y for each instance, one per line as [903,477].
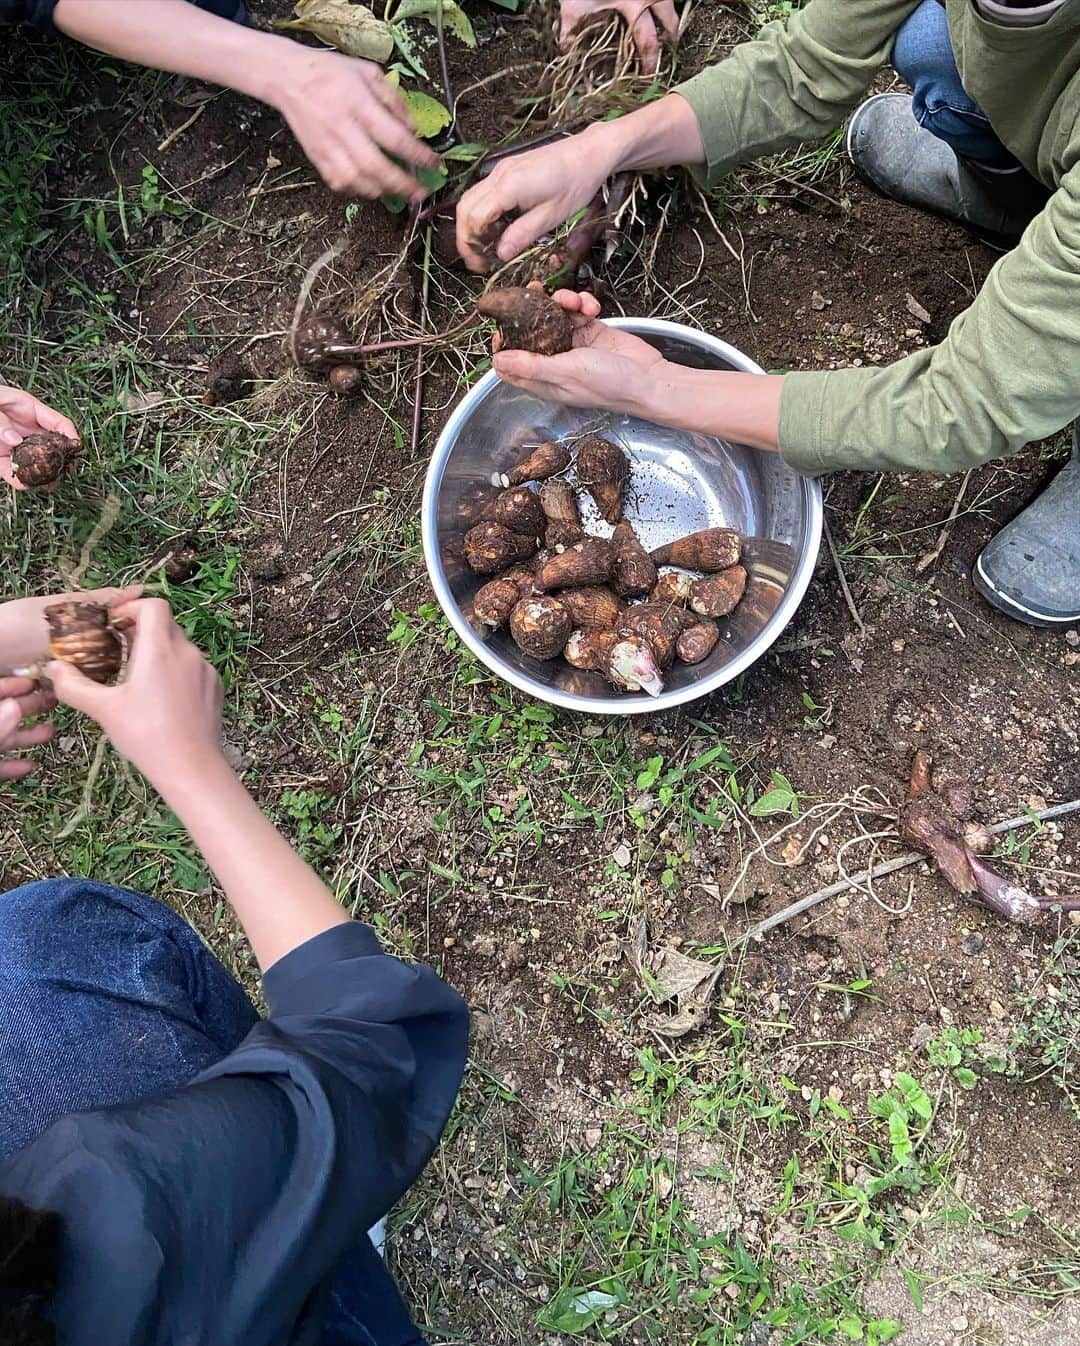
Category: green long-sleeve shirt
[1008,372]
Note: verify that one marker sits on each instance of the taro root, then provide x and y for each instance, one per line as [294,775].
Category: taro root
[313,336]
[540,626]
[717,595]
[658,625]
[491,547]
[696,642]
[528,320]
[672,588]
[635,571]
[476,504]
[346,380]
[603,469]
[710,550]
[178,559]
[495,600]
[519,510]
[589,561]
[630,665]
[586,649]
[937,820]
[228,379]
[43,457]
[592,606]
[83,634]
[544,461]
[559,502]
[559,536]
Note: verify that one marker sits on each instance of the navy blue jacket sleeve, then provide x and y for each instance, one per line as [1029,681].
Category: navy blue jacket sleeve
[37,12]
[271,1163]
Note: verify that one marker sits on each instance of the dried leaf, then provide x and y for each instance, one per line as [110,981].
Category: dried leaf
[353,29]
[672,976]
[455,20]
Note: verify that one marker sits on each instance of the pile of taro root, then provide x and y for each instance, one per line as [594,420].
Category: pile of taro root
[599,603]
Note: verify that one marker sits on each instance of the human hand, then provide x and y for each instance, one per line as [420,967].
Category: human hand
[348,121]
[22,699]
[24,633]
[641,18]
[21,414]
[607,369]
[165,717]
[545,185]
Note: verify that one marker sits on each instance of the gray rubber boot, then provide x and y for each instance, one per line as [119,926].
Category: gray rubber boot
[895,156]
[1031,569]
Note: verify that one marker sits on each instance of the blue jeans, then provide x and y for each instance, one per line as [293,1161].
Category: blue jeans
[923,57]
[106,997]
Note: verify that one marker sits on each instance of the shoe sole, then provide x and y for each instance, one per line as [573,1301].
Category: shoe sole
[999,243]
[1011,607]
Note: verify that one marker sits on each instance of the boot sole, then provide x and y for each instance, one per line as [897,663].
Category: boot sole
[1011,607]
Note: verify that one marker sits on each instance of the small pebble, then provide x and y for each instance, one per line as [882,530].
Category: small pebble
[974,943]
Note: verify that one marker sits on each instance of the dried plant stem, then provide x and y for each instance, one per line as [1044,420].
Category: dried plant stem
[855,615]
[360,352]
[887,867]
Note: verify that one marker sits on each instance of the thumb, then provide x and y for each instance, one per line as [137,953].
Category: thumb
[517,364]
[76,689]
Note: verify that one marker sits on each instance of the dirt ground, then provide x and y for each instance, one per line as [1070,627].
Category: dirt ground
[800,279]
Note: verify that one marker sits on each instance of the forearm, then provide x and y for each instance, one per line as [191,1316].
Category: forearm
[740,407]
[177,36]
[278,899]
[659,135]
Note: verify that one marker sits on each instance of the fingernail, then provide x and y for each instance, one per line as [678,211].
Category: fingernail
[10,437]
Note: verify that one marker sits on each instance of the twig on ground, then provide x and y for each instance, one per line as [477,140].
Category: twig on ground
[310,276]
[175,135]
[928,558]
[887,867]
[843,580]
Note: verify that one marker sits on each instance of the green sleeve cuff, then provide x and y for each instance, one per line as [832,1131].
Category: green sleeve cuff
[718,134]
[802,416]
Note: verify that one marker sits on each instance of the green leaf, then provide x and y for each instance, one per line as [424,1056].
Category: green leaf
[914,1288]
[455,20]
[573,1310]
[353,29]
[428,114]
[965,1077]
[651,774]
[779,798]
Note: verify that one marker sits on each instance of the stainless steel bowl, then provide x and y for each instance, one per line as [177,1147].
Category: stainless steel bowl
[680,482]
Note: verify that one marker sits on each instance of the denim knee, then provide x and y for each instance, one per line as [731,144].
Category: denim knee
[923,57]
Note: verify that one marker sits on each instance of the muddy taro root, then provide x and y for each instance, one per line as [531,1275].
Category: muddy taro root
[656,624]
[586,649]
[592,606]
[673,589]
[589,561]
[42,458]
[630,665]
[228,379]
[546,460]
[313,336]
[711,549]
[696,642]
[177,559]
[519,510]
[635,570]
[540,626]
[717,595]
[82,634]
[603,469]
[346,380]
[495,600]
[559,502]
[528,320]
[491,547]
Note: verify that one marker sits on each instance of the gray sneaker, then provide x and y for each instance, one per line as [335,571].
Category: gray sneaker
[1031,569]
[895,156]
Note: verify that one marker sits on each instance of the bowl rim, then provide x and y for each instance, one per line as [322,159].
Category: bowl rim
[639,704]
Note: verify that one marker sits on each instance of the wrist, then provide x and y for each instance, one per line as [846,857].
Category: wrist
[604,145]
[189,772]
